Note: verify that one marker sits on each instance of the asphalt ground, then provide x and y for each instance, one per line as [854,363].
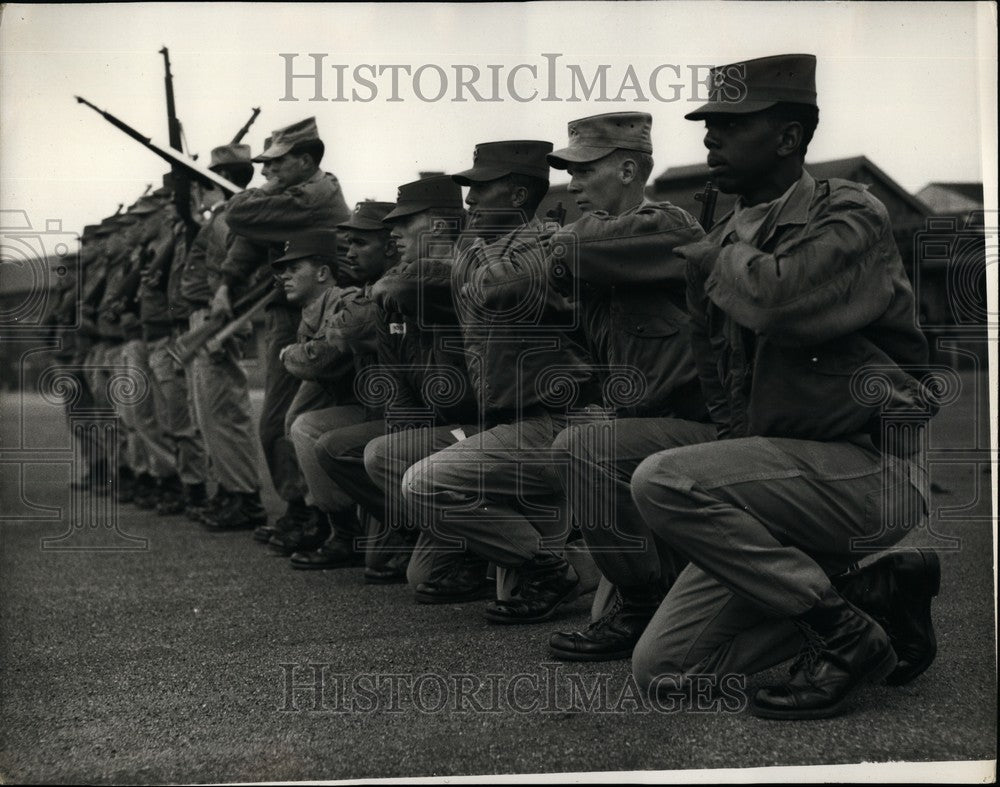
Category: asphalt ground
[205,658]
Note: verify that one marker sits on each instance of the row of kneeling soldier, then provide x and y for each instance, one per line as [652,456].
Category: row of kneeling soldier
[466,396]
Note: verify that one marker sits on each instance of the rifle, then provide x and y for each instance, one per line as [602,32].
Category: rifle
[246,126]
[169,155]
[557,214]
[182,181]
[707,198]
[185,347]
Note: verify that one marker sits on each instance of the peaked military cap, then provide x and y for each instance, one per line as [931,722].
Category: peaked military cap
[284,139]
[592,138]
[493,160]
[321,244]
[229,154]
[754,85]
[368,216]
[89,231]
[438,191]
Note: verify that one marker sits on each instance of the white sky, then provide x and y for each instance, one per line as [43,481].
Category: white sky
[905,84]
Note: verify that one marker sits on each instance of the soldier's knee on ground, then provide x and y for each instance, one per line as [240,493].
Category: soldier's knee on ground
[652,663]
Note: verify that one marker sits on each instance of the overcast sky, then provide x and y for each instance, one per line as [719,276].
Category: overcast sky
[908,85]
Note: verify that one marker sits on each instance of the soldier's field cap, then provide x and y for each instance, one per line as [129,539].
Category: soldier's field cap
[438,191]
[89,231]
[229,154]
[284,139]
[593,138]
[493,160]
[754,85]
[368,216]
[317,244]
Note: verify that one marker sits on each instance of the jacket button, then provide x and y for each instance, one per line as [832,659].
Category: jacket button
[639,329]
[815,359]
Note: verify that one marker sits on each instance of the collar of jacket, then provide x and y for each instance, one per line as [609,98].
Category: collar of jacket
[794,211]
[312,313]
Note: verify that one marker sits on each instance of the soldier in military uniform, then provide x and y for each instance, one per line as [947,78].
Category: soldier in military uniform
[518,333]
[794,294]
[148,453]
[165,316]
[339,436]
[218,383]
[619,262]
[297,196]
[325,400]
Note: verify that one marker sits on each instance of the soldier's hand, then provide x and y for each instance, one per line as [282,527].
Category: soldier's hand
[220,302]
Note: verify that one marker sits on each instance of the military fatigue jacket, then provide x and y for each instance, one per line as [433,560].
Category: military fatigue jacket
[263,220]
[313,356]
[632,289]
[523,347]
[419,343]
[807,329]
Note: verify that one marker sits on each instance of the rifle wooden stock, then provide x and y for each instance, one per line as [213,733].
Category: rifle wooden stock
[216,341]
[185,347]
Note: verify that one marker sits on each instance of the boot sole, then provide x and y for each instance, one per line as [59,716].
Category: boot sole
[322,566]
[569,597]
[479,595]
[923,583]
[571,655]
[875,675]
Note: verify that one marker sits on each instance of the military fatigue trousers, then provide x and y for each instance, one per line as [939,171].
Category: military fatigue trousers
[175,414]
[495,493]
[764,522]
[222,409]
[148,449]
[280,325]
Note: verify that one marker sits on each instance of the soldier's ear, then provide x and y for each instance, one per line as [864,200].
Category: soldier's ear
[627,171]
[789,139]
[390,251]
[518,196]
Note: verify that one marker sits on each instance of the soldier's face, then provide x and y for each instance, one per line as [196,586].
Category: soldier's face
[366,256]
[741,150]
[410,232]
[490,205]
[304,279]
[288,170]
[597,185]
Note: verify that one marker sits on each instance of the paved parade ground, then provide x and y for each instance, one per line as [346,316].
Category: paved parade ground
[205,658]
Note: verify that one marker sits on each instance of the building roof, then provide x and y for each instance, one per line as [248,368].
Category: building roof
[971,191]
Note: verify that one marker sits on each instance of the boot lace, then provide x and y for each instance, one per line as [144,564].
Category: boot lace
[812,649]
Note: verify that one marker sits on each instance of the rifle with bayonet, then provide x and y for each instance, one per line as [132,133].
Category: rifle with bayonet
[169,155]
[707,198]
[246,126]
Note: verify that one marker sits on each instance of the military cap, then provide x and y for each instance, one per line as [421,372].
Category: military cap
[592,138]
[162,193]
[754,85]
[368,216]
[438,191]
[284,139]
[309,243]
[229,154]
[89,231]
[493,160]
